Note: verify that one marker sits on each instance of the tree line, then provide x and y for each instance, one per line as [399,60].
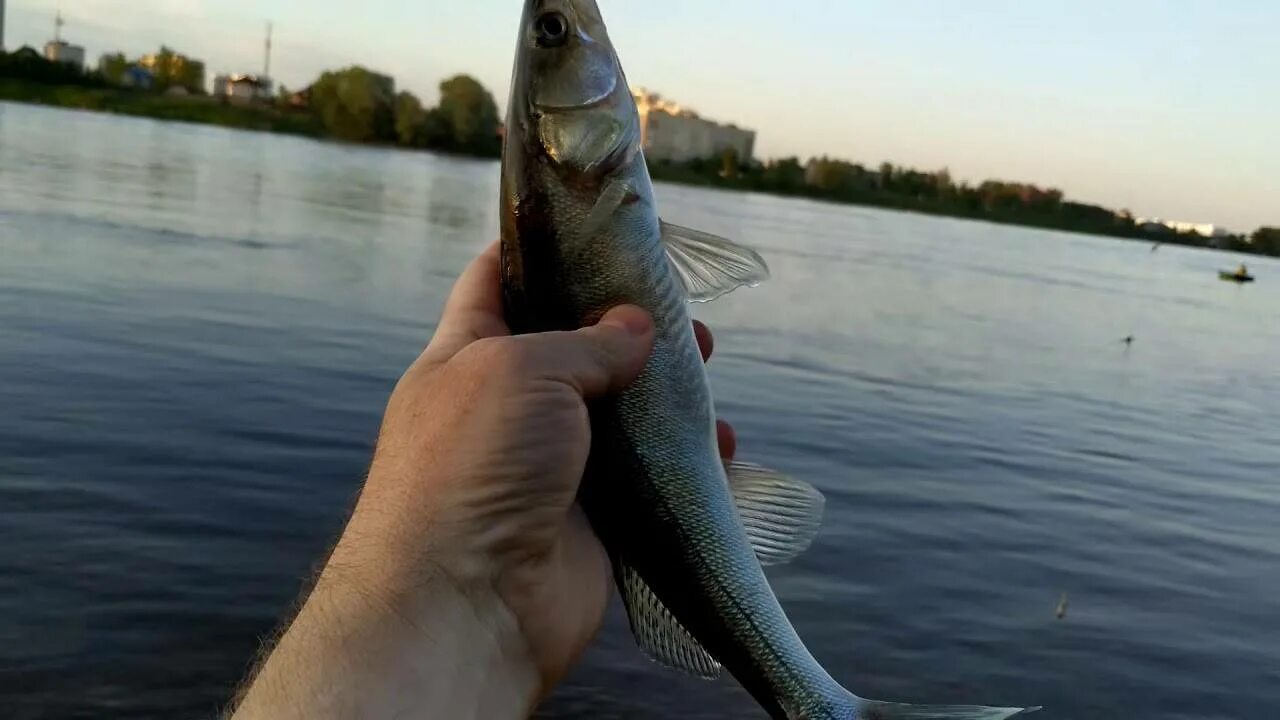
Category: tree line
[361,106]
[353,105]
[357,105]
[903,188]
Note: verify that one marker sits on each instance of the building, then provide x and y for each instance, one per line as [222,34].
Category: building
[64,52]
[674,133]
[246,88]
[243,88]
[1207,230]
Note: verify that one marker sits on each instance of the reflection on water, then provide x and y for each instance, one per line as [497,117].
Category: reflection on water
[198,329]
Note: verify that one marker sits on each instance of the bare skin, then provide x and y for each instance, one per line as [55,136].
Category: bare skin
[467,583]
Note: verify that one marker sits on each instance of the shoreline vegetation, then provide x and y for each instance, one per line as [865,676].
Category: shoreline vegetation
[357,105]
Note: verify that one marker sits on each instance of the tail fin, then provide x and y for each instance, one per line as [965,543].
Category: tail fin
[875,710]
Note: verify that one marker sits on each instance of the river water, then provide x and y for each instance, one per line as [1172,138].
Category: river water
[199,328]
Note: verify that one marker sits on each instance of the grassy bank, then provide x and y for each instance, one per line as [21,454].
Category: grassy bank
[192,109]
[683,175]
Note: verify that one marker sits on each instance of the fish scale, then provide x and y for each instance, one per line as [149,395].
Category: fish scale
[581,235]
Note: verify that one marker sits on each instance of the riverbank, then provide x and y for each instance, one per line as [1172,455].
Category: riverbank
[906,190]
[681,175]
[192,109]
[1006,204]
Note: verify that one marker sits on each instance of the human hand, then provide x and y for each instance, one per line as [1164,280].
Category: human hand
[469,503]
[481,454]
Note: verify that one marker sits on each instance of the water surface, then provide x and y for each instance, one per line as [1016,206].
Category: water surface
[199,328]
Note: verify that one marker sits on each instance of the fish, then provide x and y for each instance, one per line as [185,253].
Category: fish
[687,534]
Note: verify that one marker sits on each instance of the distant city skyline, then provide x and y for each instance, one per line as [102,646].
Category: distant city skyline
[1166,109]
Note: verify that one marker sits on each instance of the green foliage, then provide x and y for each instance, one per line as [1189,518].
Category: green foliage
[113,67]
[905,189]
[28,65]
[172,69]
[785,176]
[437,132]
[411,119]
[467,119]
[1266,240]
[194,109]
[355,105]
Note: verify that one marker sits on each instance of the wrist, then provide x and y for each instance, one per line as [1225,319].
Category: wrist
[371,642]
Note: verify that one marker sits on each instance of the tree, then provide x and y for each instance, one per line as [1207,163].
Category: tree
[785,175]
[436,131]
[1266,240]
[411,120]
[355,105]
[886,175]
[172,69]
[113,67]
[27,64]
[471,115]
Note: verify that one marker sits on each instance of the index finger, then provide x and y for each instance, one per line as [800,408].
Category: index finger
[474,309]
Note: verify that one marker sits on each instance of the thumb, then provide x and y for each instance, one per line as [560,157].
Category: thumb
[597,360]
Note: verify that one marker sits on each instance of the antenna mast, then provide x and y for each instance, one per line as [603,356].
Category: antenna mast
[266,67]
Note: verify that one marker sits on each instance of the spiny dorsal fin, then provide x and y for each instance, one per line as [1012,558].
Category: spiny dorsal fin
[710,266]
[782,515]
[659,633]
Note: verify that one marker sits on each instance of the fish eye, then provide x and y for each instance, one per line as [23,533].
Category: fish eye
[551,29]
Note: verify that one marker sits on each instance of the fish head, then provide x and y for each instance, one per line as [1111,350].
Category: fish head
[570,105]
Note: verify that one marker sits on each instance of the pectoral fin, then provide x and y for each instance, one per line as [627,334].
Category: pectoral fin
[710,266]
[614,194]
[658,632]
[781,515]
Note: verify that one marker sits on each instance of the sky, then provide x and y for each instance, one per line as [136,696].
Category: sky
[1168,108]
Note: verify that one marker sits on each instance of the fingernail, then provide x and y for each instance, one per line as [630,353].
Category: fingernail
[630,318]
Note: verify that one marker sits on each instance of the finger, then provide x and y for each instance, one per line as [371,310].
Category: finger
[597,360]
[727,439]
[706,343]
[474,308]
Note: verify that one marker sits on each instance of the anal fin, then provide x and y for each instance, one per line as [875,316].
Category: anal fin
[658,632]
[874,710]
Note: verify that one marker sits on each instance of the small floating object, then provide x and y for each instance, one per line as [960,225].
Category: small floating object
[1062,607]
[1236,277]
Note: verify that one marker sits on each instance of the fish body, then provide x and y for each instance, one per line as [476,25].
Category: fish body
[580,235]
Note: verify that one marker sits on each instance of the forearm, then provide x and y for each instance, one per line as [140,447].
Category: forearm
[428,653]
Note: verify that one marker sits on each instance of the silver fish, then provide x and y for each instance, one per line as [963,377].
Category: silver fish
[687,536]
